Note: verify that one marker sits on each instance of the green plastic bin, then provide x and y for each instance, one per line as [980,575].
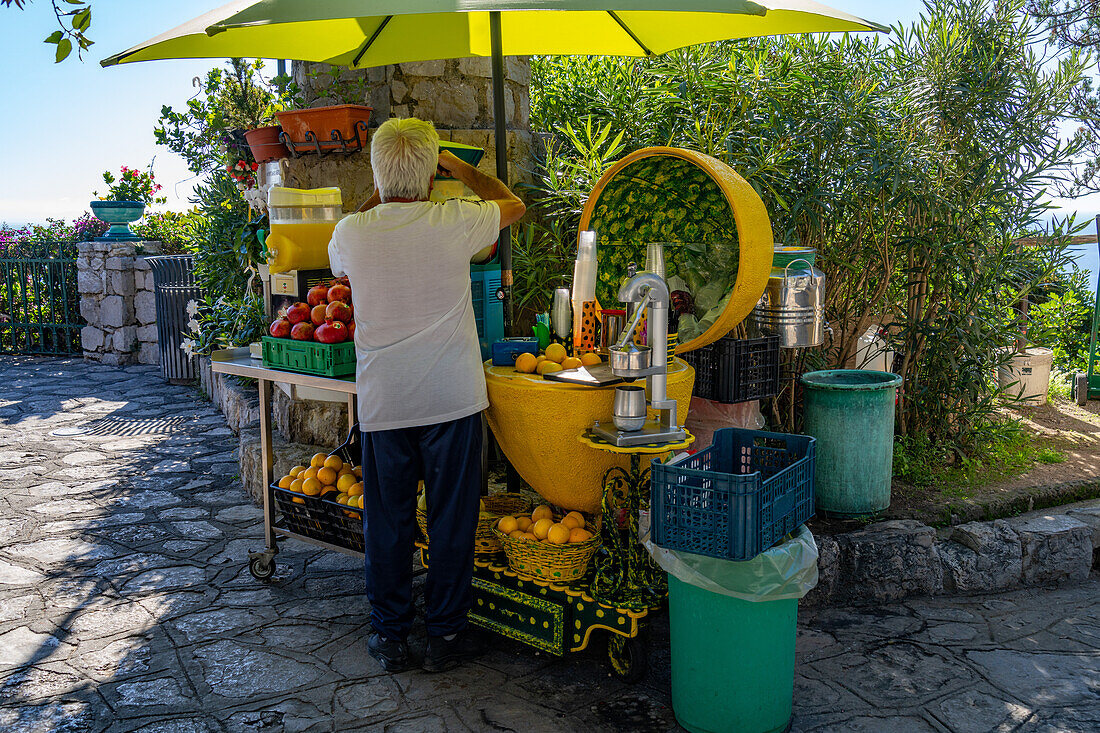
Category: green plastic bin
[732,660]
[851,414]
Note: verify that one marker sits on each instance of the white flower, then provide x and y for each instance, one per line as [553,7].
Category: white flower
[188,347]
[193,326]
[192,308]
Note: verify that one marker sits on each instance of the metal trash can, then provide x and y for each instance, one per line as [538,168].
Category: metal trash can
[174,286]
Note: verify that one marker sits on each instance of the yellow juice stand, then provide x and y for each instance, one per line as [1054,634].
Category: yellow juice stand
[544,427]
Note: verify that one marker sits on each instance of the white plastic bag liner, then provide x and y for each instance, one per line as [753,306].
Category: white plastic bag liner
[788,570]
[705,417]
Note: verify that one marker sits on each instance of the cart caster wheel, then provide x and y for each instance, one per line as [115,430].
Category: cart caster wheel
[627,657]
[261,568]
[1081,388]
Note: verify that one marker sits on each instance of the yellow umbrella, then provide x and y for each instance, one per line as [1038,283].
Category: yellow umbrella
[365,33]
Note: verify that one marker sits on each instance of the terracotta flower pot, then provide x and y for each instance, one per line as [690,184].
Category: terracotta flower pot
[322,121]
[265,144]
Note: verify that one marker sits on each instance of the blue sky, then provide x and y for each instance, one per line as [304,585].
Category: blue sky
[64,124]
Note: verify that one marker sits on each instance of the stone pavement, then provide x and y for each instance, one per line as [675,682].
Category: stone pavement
[125,605]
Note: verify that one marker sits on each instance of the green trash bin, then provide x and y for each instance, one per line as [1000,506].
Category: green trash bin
[851,414]
[732,632]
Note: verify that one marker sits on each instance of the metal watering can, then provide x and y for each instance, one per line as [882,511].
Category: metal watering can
[793,303]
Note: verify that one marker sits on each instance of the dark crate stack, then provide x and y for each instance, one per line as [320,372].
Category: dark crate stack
[736,370]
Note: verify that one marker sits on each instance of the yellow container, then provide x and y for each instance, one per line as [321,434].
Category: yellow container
[302,221]
[537,423]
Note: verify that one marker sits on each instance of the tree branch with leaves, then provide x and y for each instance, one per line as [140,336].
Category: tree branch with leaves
[74,18]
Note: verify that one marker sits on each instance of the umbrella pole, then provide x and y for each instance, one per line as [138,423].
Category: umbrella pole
[501,138]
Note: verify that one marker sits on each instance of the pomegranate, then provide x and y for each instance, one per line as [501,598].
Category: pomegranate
[280,328]
[338,311]
[331,332]
[351,329]
[342,329]
[317,315]
[316,295]
[298,313]
[302,331]
[339,291]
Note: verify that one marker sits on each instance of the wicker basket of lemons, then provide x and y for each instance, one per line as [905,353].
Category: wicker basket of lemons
[545,547]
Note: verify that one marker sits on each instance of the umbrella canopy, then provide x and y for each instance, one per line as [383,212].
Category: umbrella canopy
[366,33]
[362,33]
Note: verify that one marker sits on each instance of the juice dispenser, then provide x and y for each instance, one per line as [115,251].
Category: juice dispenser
[301,227]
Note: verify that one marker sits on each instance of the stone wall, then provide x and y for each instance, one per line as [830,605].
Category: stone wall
[454,94]
[116,300]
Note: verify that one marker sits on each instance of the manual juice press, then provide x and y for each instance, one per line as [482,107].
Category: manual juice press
[631,424]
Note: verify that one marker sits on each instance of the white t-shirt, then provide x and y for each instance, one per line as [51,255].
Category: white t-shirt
[417,356]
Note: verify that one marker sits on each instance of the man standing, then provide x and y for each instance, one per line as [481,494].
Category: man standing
[419,380]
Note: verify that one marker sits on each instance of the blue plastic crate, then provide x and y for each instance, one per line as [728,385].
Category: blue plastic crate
[488,307]
[736,498]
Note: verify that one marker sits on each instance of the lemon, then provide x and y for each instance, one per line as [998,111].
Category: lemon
[526,363]
[318,460]
[327,476]
[556,352]
[345,481]
[573,520]
[558,534]
[591,359]
[541,512]
[342,499]
[548,366]
[541,528]
[579,535]
[571,362]
[359,501]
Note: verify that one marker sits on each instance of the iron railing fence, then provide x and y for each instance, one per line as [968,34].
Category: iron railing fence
[39,302]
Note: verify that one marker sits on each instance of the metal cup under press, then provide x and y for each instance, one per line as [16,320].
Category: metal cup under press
[628,408]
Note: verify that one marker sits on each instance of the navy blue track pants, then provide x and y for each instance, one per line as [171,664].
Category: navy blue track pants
[448,457]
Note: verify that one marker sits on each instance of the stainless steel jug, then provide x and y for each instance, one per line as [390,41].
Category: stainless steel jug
[793,304]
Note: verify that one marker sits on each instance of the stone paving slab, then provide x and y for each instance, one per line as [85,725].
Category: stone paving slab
[125,606]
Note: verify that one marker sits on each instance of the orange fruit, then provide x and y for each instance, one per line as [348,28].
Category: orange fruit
[296,485]
[359,501]
[524,523]
[342,499]
[541,512]
[591,359]
[571,362]
[526,363]
[558,534]
[308,473]
[547,366]
[356,489]
[573,520]
[516,533]
[334,462]
[579,535]
[508,525]
[529,536]
[358,471]
[311,487]
[541,528]
[327,476]
[556,352]
[327,492]
[298,500]
[318,460]
[540,358]
[295,471]
[285,482]
[345,481]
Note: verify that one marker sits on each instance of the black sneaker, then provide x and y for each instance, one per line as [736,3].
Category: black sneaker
[392,655]
[442,655]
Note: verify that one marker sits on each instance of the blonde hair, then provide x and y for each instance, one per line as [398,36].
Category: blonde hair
[404,154]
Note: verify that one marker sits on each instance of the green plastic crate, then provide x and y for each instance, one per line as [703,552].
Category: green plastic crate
[310,357]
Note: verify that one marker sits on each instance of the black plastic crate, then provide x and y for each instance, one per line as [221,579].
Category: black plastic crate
[322,519]
[735,498]
[736,370]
